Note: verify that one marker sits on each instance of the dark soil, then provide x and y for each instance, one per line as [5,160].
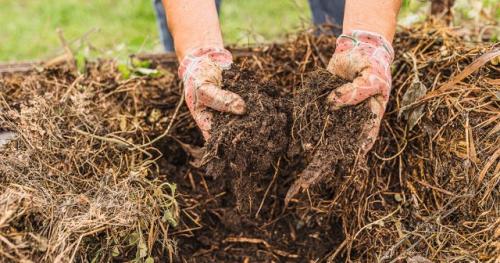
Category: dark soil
[218,232]
[251,163]
[434,178]
[243,148]
[330,139]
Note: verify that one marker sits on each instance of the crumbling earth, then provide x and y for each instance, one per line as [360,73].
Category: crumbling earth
[330,139]
[244,148]
[104,167]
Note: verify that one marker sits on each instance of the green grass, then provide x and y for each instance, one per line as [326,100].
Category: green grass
[257,21]
[129,26]
[29,26]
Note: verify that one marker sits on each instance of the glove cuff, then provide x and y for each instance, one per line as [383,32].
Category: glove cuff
[359,37]
[220,56]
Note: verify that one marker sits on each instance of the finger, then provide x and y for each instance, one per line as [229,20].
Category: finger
[310,176]
[203,119]
[363,87]
[220,100]
[347,66]
[371,129]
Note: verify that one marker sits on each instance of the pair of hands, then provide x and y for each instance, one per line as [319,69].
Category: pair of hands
[362,56]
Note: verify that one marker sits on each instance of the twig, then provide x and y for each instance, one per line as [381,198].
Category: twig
[70,58]
[174,116]
[269,187]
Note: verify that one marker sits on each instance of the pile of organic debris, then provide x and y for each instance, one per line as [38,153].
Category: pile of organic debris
[108,164]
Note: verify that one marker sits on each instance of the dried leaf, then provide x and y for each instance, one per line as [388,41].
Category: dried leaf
[418,259]
[142,249]
[413,113]
[6,137]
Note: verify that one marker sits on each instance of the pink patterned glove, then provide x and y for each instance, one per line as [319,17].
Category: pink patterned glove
[365,58]
[201,72]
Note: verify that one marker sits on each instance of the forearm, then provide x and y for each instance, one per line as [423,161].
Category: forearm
[193,24]
[377,16]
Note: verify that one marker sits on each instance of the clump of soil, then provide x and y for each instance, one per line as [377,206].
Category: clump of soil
[434,178]
[326,141]
[243,148]
[329,139]
[247,173]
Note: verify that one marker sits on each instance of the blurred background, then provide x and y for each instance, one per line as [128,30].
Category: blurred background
[34,29]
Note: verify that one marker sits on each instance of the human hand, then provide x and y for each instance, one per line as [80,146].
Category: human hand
[201,72]
[365,58]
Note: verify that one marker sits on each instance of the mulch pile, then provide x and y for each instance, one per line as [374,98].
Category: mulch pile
[107,168]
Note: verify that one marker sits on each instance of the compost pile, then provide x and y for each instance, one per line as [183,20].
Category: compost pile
[108,167]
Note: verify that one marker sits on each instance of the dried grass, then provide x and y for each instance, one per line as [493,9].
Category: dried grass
[81,182]
[74,176]
[432,192]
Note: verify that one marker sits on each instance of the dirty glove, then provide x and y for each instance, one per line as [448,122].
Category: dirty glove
[201,72]
[365,58]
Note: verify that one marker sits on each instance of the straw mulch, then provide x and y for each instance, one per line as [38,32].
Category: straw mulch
[92,174]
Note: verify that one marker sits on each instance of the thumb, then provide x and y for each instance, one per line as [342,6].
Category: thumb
[218,99]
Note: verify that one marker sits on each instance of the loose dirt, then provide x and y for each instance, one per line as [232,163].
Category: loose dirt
[330,139]
[244,148]
[83,178]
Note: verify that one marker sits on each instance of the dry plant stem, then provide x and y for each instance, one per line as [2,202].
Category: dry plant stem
[166,132]
[67,50]
[269,187]
[441,176]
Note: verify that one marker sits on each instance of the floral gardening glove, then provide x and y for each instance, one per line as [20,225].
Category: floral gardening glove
[201,72]
[365,58]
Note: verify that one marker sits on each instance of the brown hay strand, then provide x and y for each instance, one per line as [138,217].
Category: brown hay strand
[431,193]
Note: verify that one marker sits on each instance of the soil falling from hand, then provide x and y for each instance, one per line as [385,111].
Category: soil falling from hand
[431,179]
[244,152]
[245,147]
[329,139]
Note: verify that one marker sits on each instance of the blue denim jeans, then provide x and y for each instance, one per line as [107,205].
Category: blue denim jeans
[323,12]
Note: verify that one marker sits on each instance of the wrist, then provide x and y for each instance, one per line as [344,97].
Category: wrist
[373,16]
[183,50]
[388,35]
[374,40]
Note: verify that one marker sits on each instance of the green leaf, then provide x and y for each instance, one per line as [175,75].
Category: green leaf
[80,62]
[124,71]
[136,63]
[398,197]
[168,217]
[133,238]
[142,249]
[149,260]
[115,252]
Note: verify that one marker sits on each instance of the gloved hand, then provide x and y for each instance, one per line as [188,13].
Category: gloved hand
[201,72]
[365,58]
